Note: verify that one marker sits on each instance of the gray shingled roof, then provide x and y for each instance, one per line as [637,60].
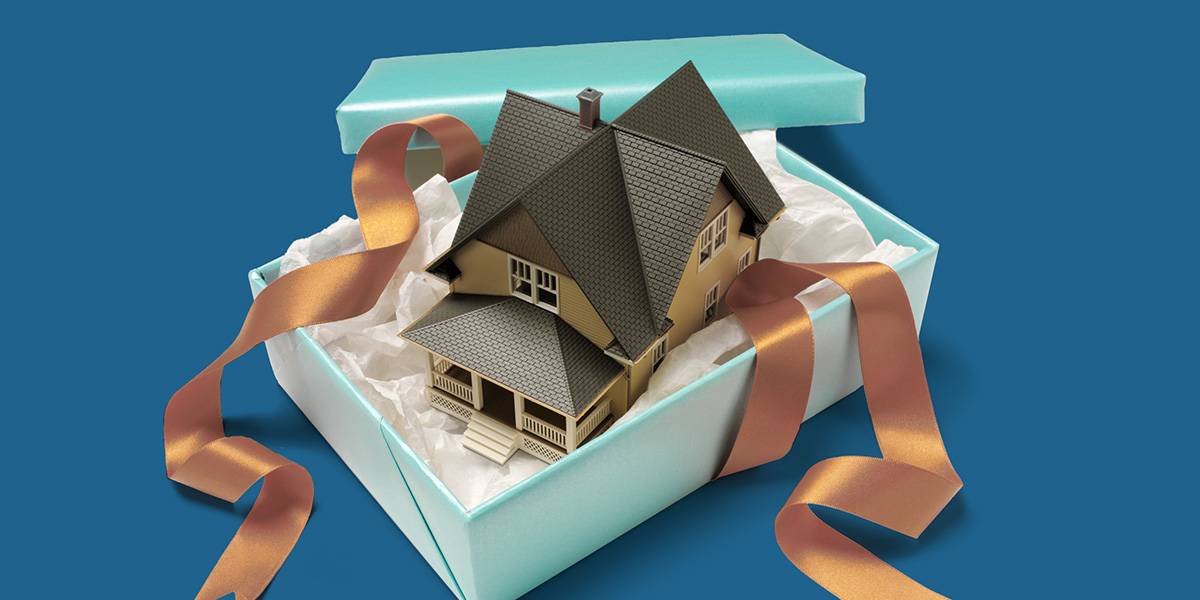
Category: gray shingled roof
[518,345]
[683,111]
[620,207]
[669,194]
[530,137]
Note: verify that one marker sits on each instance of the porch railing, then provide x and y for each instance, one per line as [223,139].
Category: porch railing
[589,424]
[453,386]
[547,431]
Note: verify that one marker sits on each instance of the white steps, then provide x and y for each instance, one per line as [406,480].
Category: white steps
[490,438]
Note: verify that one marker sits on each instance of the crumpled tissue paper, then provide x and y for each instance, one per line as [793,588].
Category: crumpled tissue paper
[816,226]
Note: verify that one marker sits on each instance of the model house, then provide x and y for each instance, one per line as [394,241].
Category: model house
[586,251]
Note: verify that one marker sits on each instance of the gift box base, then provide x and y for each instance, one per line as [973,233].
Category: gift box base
[513,542]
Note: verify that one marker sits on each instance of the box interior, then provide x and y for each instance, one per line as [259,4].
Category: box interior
[441,521]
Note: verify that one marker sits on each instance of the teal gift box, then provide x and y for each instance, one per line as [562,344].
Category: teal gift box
[514,541]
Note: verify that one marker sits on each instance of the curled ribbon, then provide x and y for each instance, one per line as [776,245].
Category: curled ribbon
[199,455]
[902,491]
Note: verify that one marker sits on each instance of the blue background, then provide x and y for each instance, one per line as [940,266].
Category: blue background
[154,154]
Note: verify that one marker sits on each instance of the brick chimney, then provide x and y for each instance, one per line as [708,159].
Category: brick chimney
[589,108]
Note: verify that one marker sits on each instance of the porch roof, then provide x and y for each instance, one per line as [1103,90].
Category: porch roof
[520,346]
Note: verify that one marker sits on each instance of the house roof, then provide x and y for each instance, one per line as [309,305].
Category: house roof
[620,205]
[520,346]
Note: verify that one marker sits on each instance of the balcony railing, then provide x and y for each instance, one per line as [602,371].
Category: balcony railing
[547,431]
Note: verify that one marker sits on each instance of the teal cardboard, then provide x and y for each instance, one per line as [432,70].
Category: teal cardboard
[762,82]
[513,542]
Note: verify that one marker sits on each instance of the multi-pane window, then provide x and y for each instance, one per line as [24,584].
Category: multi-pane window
[533,284]
[547,290]
[659,353]
[714,237]
[521,278]
[744,261]
[710,303]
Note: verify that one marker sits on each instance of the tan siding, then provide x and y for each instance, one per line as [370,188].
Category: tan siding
[721,199]
[485,271]
[579,313]
[687,309]
[639,377]
[620,397]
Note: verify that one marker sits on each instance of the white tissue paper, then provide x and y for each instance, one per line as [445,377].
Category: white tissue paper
[816,226]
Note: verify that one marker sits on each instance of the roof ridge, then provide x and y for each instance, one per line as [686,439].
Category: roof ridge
[637,236]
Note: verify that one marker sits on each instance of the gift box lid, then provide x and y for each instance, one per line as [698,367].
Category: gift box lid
[762,82]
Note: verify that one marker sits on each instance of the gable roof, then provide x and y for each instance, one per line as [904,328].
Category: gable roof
[620,206]
[516,344]
[683,111]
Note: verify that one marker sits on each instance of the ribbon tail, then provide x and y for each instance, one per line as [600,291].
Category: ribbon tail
[906,488]
[199,455]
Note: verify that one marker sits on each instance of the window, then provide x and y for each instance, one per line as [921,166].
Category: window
[547,290]
[710,303]
[714,238]
[533,284]
[744,261]
[521,284]
[659,353]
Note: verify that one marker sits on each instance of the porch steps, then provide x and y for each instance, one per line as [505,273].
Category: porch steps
[490,438]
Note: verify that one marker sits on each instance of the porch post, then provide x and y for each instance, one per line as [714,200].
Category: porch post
[477,390]
[518,410]
[429,369]
[570,434]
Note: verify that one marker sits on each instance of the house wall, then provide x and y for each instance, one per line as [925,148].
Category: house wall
[687,309]
[485,271]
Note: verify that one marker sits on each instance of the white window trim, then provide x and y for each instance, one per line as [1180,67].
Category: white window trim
[745,260]
[548,281]
[514,274]
[714,236]
[658,353]
[715,294]
[537,276]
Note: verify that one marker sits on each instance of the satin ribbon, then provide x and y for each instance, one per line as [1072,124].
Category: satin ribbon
[199,455]
[902,491]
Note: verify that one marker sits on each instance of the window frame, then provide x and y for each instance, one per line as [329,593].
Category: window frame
[514,275]
[715,293]
[551,286]
[658,353]
[713,238]
[745,259]
[539,279]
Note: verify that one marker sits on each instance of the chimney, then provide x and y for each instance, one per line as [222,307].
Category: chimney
[589,108]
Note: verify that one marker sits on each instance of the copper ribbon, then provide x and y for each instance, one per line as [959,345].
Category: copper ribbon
[902,491]
[199,455]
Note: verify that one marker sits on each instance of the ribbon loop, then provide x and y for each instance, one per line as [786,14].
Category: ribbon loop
[906,488]
[197,452]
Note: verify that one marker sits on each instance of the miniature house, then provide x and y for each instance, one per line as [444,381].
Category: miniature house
[586,251]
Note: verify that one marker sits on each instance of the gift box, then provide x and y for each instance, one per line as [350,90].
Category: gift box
[512,542]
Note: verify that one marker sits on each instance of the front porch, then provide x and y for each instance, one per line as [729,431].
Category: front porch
[501,421]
